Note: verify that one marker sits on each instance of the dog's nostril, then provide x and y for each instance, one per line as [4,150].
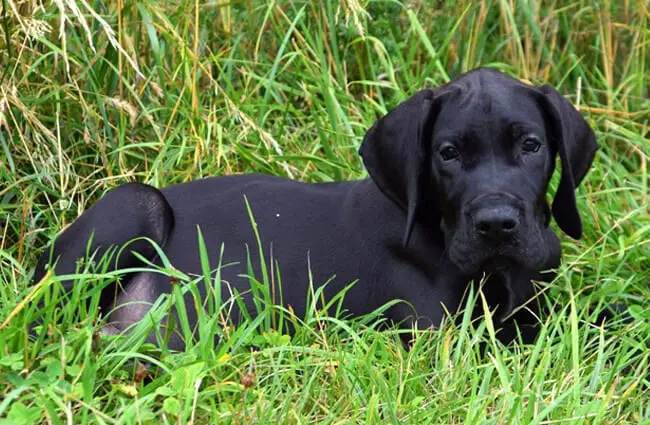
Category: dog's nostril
[509,224]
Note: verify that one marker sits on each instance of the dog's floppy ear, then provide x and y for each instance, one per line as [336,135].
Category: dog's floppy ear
[576,146]
[396,150]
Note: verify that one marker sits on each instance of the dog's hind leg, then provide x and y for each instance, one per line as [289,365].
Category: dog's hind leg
[124,215]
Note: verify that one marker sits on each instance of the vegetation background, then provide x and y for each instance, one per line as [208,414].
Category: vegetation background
[97,93]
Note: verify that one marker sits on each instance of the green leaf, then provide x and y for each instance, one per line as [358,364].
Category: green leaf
[172,406]
[19,414]
[185,377]
[14,361]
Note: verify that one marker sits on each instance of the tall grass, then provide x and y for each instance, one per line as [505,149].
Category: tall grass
[94,94]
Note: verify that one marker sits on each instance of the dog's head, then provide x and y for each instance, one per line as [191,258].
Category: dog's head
[479,152]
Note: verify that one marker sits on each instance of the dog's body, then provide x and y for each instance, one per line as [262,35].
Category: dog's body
[458,177]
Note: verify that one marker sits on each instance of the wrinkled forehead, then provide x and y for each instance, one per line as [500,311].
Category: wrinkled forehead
[491,106]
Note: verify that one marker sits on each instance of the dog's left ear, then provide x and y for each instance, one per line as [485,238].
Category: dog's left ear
[396,151]
[576,146]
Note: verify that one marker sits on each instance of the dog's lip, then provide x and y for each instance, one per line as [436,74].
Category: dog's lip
[497,263]
[493,263]
[473,256]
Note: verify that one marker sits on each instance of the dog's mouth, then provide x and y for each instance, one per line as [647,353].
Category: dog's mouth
[497,263]
[538,253]
[475,256]
[493,264]
[530,247]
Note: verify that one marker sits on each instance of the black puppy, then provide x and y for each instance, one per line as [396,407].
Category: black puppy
[458,178]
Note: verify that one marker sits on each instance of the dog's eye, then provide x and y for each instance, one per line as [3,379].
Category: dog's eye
[449,152]
[531,145]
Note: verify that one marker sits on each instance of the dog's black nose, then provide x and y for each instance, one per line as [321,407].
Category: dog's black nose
[496,222]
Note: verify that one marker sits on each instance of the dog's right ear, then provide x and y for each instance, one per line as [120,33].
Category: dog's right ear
[576,146]
[396,151]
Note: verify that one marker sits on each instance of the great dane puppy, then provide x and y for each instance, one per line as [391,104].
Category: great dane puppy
[458,176]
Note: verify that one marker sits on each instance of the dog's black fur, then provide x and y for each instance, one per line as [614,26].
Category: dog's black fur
[458,179]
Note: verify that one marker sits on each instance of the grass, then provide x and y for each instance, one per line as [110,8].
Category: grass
[96,94]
